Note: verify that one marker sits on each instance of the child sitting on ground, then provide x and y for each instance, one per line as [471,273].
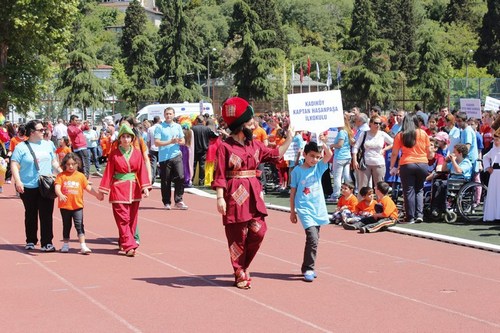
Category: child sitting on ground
[346,204]
[364,208]
[386,213]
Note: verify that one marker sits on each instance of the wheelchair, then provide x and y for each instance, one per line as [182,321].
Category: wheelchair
[464,200]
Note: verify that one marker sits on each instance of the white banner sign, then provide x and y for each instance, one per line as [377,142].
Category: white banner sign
[491,104]
[291,152]
[316,112]
[471,106]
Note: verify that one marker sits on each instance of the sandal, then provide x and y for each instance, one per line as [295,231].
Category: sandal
[130,253]
[242,280]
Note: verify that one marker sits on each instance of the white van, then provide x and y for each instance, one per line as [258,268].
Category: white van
[153,110]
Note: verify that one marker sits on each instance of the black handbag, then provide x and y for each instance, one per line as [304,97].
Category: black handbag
[46,183]
[360,156]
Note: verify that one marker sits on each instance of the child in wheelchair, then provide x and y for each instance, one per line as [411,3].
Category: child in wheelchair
[459,169]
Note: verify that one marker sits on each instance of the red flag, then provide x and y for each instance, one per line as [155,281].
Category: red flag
[301,74]
[308,66]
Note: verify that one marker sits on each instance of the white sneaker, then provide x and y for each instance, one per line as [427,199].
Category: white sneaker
[65,248]
[48,248]
[180,205]
[85,250]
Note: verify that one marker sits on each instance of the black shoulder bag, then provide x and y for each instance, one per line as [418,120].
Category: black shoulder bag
[46,184]
[360,156]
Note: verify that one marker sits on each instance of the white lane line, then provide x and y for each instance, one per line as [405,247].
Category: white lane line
[388,292]
[92,300]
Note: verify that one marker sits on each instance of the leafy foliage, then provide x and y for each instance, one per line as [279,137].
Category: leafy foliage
[488,53]
[33,34]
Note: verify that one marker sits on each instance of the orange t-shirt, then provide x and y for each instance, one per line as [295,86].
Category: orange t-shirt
[14,141]
[72,186]
[415,154]
[62,151]
[364,207]
[106,145]
[390,209]
[259,134]
[350,202]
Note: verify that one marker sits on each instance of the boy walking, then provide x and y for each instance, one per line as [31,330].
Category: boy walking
[308,202]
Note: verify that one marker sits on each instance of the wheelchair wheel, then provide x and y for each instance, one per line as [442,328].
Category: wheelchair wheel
[450,216]
[470,201]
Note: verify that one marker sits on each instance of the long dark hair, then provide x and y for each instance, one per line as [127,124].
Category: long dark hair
[409,130]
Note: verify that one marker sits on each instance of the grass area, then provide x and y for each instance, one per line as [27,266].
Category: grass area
[480,232]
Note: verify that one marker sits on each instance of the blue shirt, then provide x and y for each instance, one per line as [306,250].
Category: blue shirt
[309,198]
[165,132]
[344,152]
[454,136]
[44,152]
[466,167]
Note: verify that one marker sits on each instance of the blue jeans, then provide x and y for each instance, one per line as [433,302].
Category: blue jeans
[341,173]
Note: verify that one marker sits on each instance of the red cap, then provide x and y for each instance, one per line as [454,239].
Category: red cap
[236,111]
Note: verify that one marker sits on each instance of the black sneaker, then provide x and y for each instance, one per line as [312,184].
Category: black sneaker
[362,230]
[48,248]
[29,246]
[419,220]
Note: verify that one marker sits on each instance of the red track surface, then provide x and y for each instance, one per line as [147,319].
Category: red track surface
[181,281]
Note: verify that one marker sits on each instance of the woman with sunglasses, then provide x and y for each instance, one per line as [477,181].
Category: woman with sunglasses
[376,143]
[414,145]
[25,174]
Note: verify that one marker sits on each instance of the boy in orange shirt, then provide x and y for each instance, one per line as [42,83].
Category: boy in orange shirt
[346,205]
[364,208]
[69,186]
[386,213]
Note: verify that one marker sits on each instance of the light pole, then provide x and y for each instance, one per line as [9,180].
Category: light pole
[467,72]
[208,71]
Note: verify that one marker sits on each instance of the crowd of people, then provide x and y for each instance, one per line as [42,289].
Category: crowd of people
[361,167]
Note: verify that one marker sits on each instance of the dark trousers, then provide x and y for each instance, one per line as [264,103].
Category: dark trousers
[311,249]
[412,179]
[36,207]
[93,153]
[199,159]
[153,158]
[172,170]
[75,216]
[84,156]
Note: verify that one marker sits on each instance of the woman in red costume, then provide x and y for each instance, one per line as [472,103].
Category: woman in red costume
[125,180]
[239,192]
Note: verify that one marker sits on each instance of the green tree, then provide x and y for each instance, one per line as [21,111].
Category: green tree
[256,64]
[135,25]
[469,12]
[397,23]
[270,19]
[141,86]
[432,73]
[488,53]
[363,28]
[33,35]
[368,78]
[179,49]
[78,84]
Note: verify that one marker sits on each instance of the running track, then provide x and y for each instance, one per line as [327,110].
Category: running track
[181,280]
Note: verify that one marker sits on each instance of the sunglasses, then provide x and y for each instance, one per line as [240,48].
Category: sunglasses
[376,123]
[41,130]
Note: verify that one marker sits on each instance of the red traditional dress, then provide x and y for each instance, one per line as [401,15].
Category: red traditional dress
[124,179]
[236,172]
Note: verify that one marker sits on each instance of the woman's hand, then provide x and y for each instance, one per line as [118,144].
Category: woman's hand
[221,206]
[145,193]
[19,187]
[355,164]
[394,171]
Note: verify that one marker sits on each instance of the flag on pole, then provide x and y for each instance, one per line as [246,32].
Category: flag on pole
[308,66]
[329,76]
[293,71]
[317,70]
[338,75]
[301,74]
